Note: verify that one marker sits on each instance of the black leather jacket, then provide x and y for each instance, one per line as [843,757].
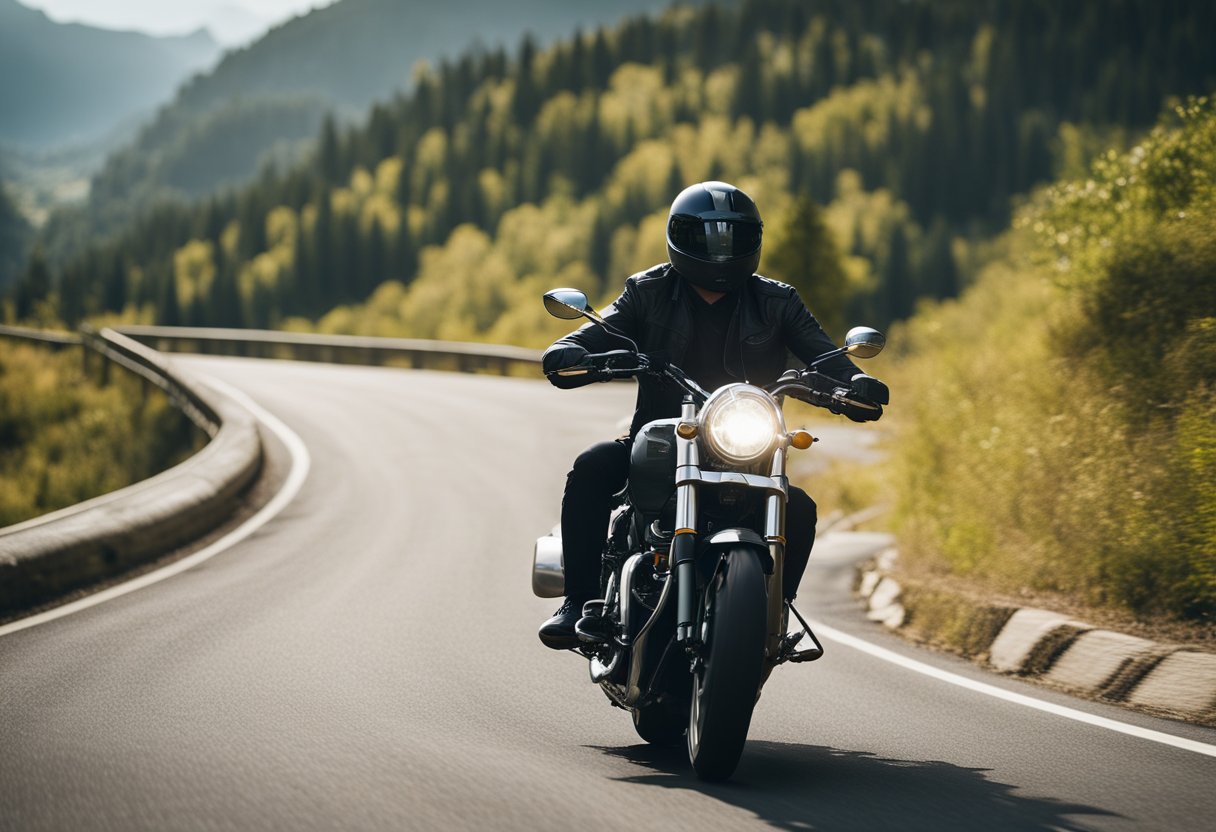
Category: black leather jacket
[770,322]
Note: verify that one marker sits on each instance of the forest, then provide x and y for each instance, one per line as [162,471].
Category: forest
[1023,192]
[901,134]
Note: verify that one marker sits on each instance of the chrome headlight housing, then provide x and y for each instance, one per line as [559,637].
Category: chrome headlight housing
[741,424]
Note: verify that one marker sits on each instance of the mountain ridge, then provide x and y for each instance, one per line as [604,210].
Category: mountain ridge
[71,82]
[300,70]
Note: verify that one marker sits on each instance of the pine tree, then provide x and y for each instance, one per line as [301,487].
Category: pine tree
[938,271]
[896,297]
[804,254]
[168,309]
[35,287]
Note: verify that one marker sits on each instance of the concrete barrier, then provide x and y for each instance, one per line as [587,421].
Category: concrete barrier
[48,556]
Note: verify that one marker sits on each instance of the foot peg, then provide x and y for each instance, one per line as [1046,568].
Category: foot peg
[593,628]
[789,653]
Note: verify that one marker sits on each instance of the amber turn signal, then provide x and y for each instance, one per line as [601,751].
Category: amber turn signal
[686,430]
[801,439]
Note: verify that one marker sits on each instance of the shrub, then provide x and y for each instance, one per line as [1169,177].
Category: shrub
[65,439]
[1058,423]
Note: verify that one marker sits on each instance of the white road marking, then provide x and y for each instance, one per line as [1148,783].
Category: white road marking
[300,463]
[832,634]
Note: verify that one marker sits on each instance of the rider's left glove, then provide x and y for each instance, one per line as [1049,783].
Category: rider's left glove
[870,389]
[865,388]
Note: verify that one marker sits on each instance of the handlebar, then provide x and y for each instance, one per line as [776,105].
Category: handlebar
[602,364]
[819,390]
[808,386]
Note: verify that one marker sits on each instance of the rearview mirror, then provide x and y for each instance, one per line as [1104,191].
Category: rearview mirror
[864,342]
[566,304]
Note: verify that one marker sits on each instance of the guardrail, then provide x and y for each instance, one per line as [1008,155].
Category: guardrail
[153,368]
[42,336]
[51,555]
[340,349]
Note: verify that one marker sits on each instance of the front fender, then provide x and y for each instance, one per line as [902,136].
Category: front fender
[727,539]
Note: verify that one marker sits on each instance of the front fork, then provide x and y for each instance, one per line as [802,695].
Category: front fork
[684,543]
[684,546]
[774,533]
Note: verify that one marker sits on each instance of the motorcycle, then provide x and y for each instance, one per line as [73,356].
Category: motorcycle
[692,619]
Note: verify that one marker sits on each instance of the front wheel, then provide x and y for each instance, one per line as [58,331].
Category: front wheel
[724,687]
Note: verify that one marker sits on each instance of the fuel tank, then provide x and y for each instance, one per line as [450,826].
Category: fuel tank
[652,466]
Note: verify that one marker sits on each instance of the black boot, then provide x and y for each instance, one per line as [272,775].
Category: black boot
[558,632]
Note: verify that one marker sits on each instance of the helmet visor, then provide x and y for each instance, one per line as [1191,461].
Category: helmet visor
[715,240]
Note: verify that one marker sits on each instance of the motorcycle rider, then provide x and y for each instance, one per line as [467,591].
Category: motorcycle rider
[707,312]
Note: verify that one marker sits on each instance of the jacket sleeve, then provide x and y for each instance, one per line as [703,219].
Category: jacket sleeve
[806,339]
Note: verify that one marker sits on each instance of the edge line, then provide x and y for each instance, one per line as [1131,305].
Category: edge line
[840,637]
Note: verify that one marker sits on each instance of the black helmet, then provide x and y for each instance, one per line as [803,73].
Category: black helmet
[713,236]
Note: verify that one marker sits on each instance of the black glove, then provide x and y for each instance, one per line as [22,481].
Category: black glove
[564,357]
[869,389]
[864,388]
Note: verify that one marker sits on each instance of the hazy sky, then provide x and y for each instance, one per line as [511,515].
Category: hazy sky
[177,16]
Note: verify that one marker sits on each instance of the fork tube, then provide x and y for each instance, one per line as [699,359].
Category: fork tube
[684,546]
[774,533]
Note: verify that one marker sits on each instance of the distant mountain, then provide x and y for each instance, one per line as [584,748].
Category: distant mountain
[67,82]
[266,101]
[355,52]
[234,26]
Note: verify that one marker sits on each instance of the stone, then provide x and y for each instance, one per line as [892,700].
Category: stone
[1092,661]
[869,580]
[1014,645]
[885,594]
[1183,682]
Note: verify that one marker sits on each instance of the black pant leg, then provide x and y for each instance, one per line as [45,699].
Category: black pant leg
[800,518]
[598,473]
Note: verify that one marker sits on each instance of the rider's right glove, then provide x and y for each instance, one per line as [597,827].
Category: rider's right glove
[563,357]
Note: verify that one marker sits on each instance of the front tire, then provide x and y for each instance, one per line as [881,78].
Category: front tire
[724,687]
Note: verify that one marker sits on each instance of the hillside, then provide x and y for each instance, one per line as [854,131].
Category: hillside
[911,126]
[1074,387]
[63,83]
[265,102]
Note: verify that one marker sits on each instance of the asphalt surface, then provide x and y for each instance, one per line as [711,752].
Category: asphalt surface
[368,660]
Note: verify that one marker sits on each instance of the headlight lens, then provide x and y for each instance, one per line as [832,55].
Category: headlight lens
[741,423]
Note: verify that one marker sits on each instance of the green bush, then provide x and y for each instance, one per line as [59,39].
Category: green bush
[1059,421]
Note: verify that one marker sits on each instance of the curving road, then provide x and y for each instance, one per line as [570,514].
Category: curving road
[368,660]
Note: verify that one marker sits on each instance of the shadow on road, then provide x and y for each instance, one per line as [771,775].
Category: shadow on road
[806,787]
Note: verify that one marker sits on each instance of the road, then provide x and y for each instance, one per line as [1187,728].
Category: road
[368,660]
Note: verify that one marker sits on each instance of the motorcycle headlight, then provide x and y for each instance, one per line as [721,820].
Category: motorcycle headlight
[741,423]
